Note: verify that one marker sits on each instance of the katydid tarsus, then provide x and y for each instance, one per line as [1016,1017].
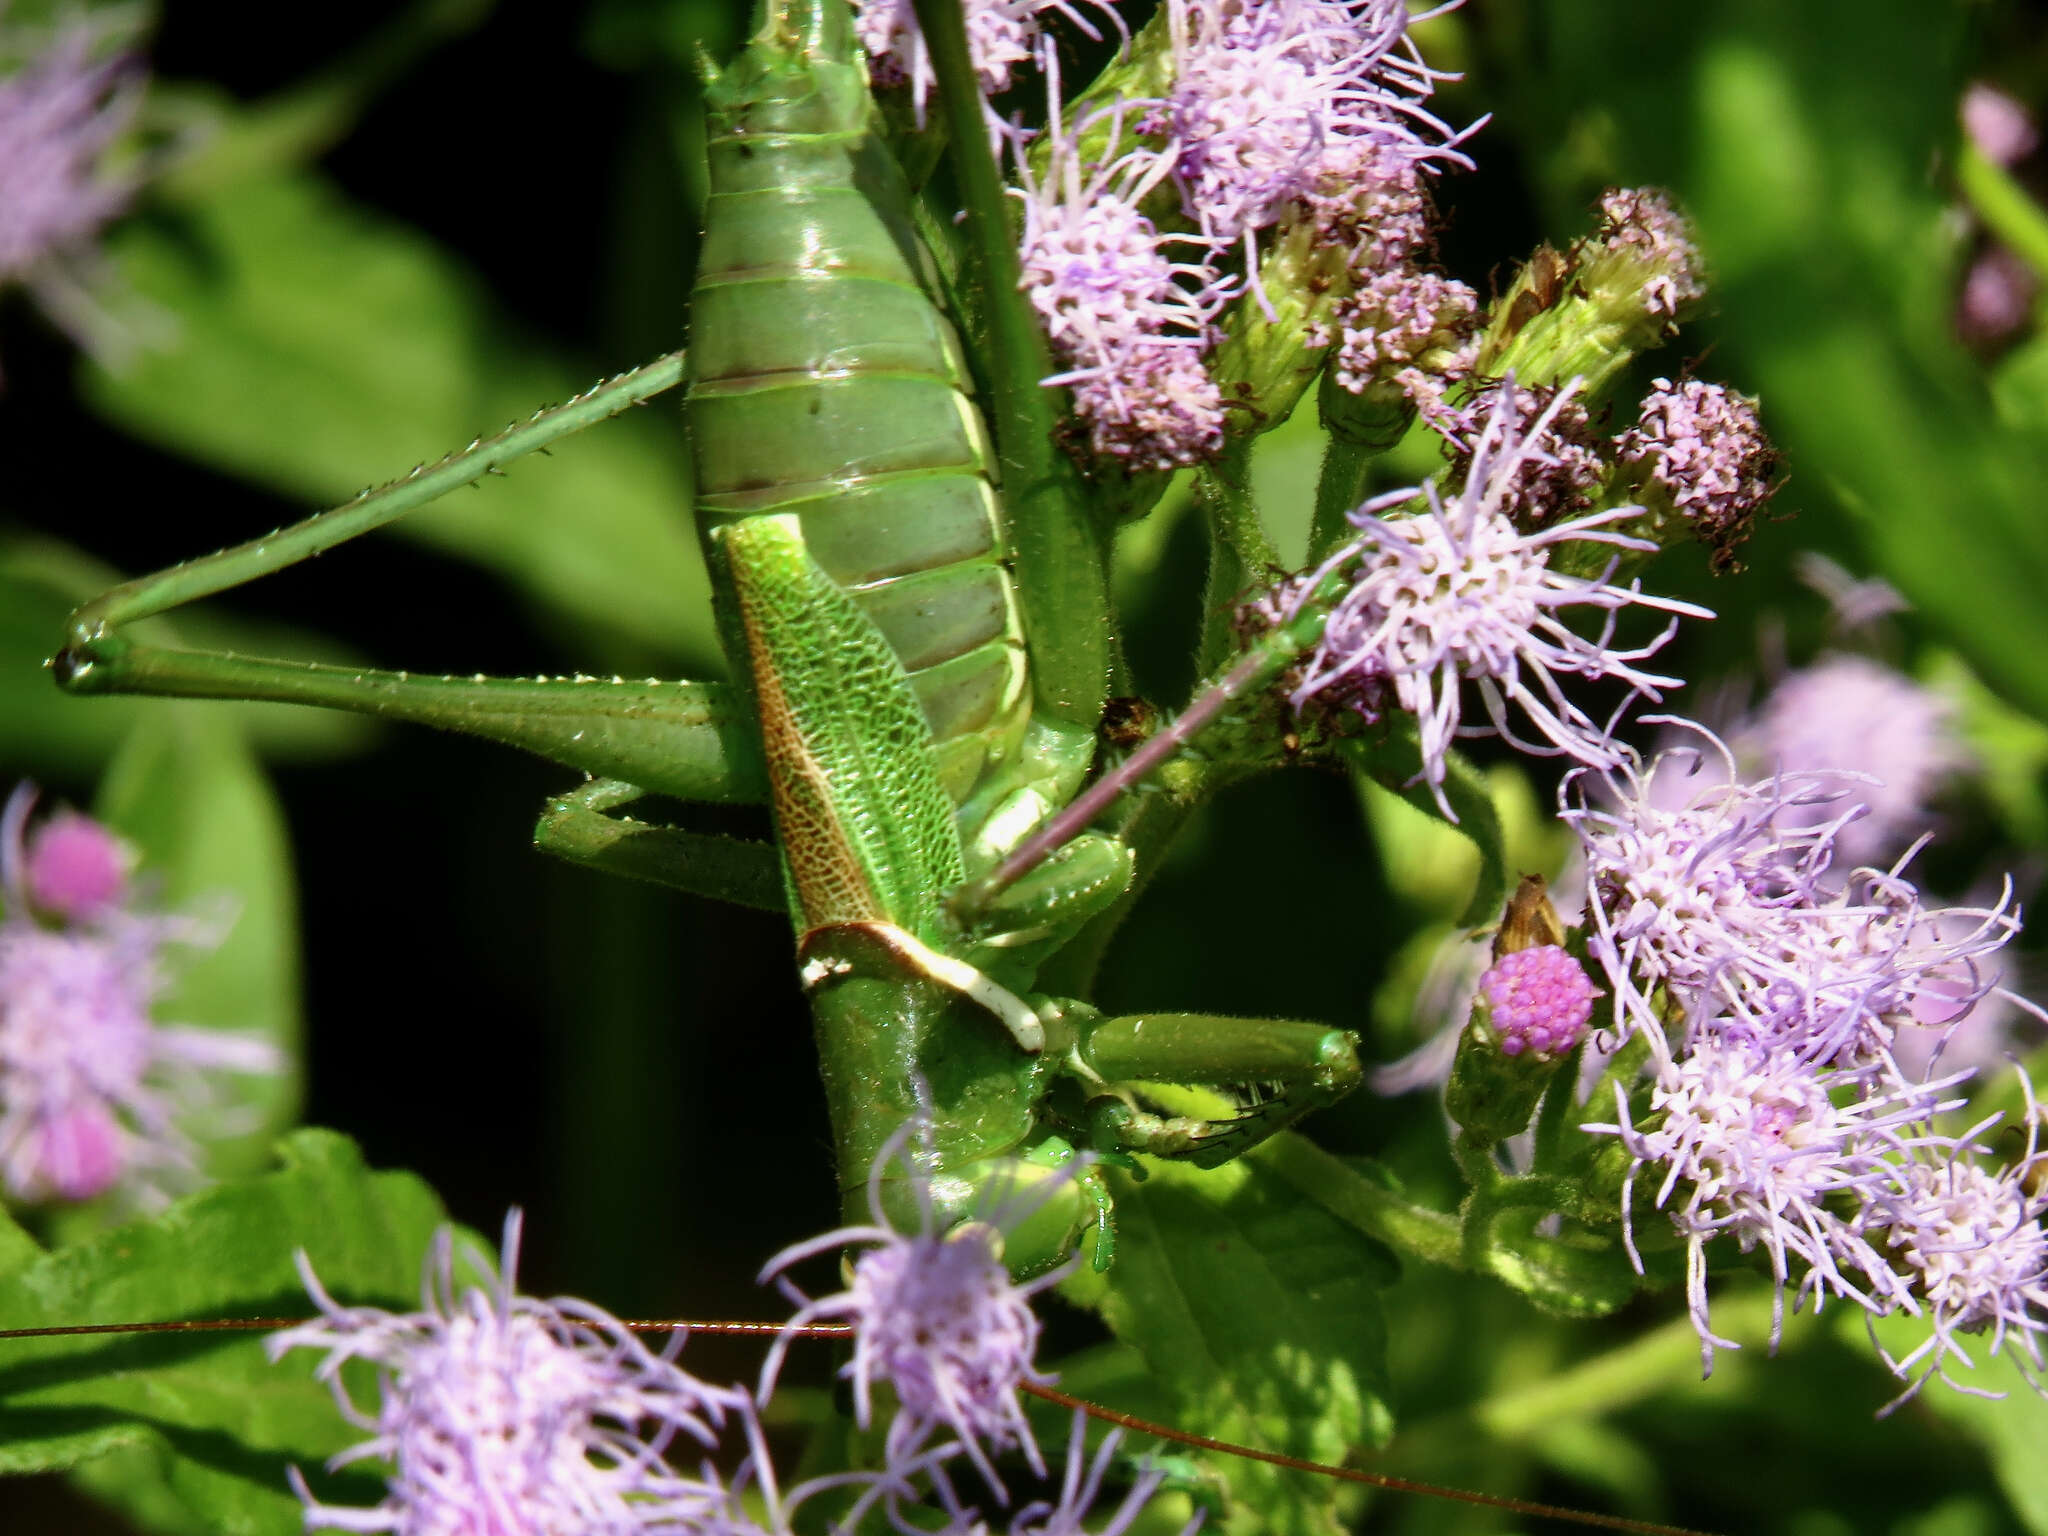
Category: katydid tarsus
[916,609]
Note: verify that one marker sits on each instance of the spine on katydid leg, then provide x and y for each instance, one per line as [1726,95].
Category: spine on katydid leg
[827,387]
[1532,1010]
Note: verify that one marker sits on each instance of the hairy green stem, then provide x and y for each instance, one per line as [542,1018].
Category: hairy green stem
[1358,1201]
[1241,552]
[1062,573]
[1339,489]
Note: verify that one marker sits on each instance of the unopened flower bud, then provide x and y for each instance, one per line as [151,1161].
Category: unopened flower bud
[1342,278]
[1532,1010]
[1271,351]
[1615,293]
[1697,458]
[1540,1001]
[76,867]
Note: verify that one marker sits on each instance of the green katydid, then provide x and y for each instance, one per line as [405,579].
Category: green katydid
[924,656]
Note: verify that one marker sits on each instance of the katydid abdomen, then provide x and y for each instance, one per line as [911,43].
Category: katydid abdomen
[826,384]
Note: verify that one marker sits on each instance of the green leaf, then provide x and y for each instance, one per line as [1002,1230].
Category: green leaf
[1258,1316]
[320,348]
[1435,865]
[17,1248]
[2012,1429]
[45,731]
[187,791]
[206,1413]
[1395,763]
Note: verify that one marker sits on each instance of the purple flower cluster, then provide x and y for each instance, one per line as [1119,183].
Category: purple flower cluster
[1458,594]
[65,96]
[498,1412]
[1547,487]
[1703,445]
[1308,109]
[1538,1000]
[91,1086]
[1771,984]
[1972,1249]
[1849,712]
[936,1317]
[1269,100]
[1129,321]
[1001,34]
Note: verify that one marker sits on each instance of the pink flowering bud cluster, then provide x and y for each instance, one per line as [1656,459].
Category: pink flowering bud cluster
[1643,256]
[1396,320]
[1772,983]
[66,94]
[91,1084]
[1547,488]
[497,1412]
[1701,448]
[1539,1001]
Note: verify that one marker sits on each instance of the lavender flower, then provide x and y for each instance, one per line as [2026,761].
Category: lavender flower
[1726,900]
[1695,889]
[1001,34]
[1130,323]
[90,1084]
[1971,1245]
[1459,594]
[1080,1487]
[1754,1143]
[1850,712]
[64,99]
[1702,448]
[500,1412]
[1999,126]
[1997,298]
[1264,94]
[1539,1000]
[935,1316]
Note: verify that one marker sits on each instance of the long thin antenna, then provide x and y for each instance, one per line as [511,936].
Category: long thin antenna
[764,1330]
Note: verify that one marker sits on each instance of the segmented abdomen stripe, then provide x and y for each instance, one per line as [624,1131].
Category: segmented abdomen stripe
[826,383]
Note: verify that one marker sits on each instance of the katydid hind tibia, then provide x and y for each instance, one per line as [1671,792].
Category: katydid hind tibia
[888,624]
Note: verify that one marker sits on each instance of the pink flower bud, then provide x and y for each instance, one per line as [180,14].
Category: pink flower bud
[1541,1001]
[76,867]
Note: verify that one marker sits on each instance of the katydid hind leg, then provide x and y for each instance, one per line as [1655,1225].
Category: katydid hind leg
[584,827]
[693,741]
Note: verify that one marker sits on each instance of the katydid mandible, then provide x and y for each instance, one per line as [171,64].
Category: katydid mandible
[922,653]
